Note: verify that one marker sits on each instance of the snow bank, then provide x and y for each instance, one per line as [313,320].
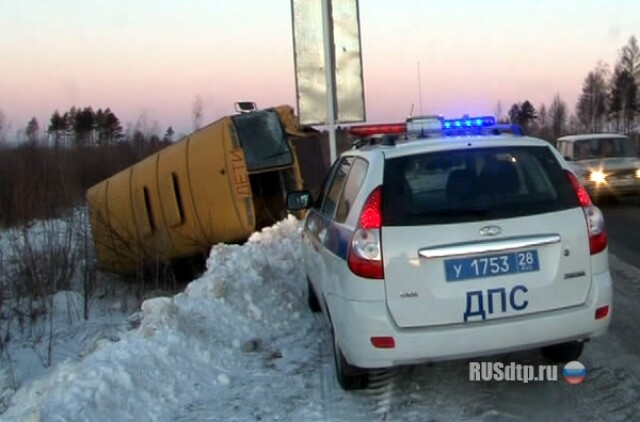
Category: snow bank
[201,353]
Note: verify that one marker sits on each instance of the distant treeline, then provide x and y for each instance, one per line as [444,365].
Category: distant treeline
[40,181]
[609,101]
[85,127]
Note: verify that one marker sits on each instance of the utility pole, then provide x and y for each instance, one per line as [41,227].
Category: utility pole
[419,90]
[327,26]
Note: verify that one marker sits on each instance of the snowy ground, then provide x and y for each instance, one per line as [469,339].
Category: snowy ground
[239,345]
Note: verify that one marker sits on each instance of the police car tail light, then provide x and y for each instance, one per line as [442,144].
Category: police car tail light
[386,342]
[365,252]
[602,312]
[594,217]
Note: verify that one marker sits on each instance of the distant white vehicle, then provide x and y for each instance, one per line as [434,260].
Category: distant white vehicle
[607,164]
[455,242]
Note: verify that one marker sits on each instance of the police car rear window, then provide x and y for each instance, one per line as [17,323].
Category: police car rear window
[474,185]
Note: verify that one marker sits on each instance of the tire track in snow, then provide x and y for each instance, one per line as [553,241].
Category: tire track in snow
[611,390]
[608,393]
[371,404]
[381,389]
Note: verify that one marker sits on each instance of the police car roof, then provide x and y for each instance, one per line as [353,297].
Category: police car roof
[444,143]
[585,136]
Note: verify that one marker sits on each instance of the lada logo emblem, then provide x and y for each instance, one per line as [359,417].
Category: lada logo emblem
[490,231]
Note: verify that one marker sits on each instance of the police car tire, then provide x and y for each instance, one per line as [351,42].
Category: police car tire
[348,376]
[312,299]
[564,352]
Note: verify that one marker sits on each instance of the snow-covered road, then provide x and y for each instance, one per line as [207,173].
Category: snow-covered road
[239,344]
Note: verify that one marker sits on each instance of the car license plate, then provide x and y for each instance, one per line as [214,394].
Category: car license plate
[459,269]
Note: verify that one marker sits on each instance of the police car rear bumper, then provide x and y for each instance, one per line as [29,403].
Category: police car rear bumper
[417,345]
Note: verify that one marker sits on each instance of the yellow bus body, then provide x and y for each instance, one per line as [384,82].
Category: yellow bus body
[197,192]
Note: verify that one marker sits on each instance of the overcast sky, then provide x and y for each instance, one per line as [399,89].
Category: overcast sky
[153,57]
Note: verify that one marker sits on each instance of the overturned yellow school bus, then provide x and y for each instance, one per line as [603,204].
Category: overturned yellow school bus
[218,184]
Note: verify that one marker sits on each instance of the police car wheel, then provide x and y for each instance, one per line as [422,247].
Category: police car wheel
[564,352]
[348,376]
[312,299]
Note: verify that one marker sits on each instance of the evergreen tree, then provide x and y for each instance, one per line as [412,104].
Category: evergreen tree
[168,136]
[514,114]
[56,128]
[112,127]
[84,126]
[527,114]
[108,127]
[522,114]
[32,131]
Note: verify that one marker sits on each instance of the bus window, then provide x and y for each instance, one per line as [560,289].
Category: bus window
[263,140]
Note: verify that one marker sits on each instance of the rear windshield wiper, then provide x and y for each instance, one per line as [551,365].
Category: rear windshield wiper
[475,211]
[479,211]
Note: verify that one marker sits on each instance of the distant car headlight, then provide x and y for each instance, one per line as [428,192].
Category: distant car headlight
[597,176]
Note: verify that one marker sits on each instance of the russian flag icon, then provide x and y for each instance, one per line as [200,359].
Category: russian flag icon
[574,372]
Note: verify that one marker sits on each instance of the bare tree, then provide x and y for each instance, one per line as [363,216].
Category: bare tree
[558,116]
[630,58]
[514,114]
[543,116]
[3,127]
[498,111]
[540,126]
[574,124]
[623,94]
[623,100]
[196,113]
[591,108]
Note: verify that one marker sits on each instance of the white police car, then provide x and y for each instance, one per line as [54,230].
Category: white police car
[464,241]
[607,164]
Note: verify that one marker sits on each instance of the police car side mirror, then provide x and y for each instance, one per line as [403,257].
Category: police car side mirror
[299,200]
[567,158]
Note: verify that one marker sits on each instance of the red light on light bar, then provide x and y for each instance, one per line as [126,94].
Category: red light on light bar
[378,129]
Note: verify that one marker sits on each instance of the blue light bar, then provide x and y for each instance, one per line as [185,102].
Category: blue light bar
[436,126]
[469,122]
